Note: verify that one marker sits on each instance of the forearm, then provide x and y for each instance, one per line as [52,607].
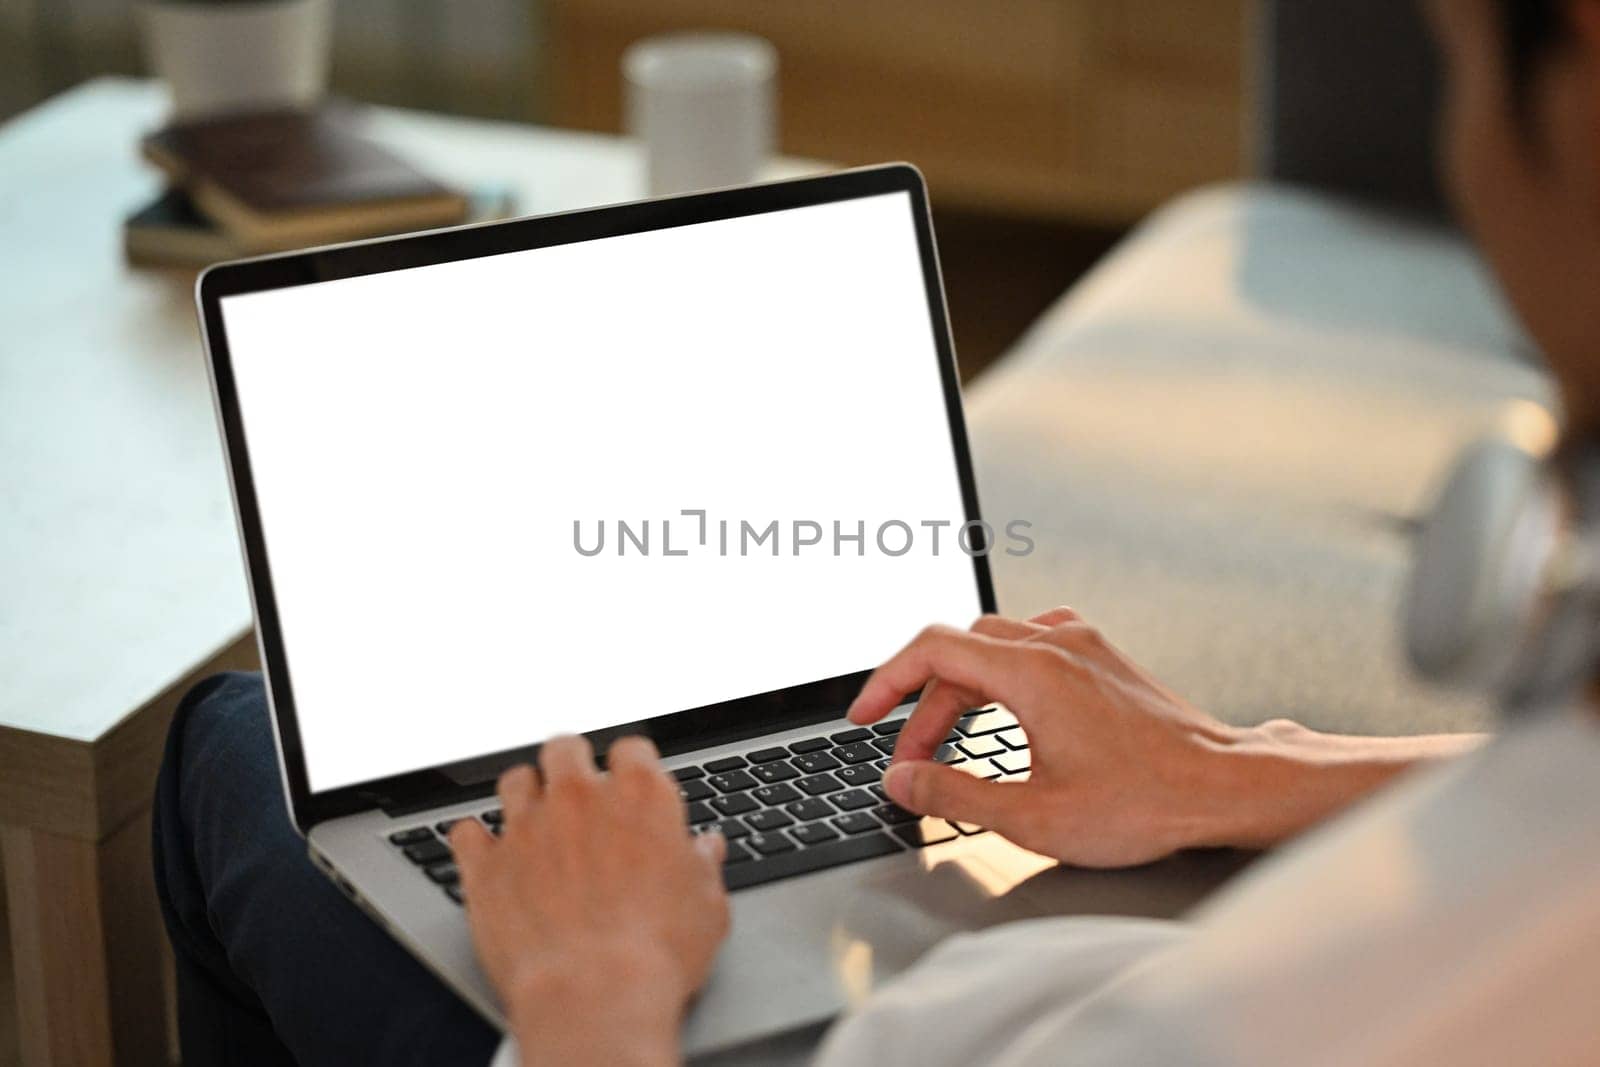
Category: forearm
[1281,778]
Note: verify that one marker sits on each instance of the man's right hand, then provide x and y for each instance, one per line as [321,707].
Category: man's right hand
[1124,771]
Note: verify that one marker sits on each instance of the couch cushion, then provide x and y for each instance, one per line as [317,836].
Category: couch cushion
[1224,435]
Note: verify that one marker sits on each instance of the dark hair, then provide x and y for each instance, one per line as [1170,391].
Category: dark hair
[1531,27]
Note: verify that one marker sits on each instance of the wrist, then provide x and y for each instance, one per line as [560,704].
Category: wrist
[1279,778]
[626,1011]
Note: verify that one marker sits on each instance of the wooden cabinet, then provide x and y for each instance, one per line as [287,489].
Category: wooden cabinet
[1094,110]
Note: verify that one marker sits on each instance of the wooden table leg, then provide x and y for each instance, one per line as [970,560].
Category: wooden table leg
[86,946]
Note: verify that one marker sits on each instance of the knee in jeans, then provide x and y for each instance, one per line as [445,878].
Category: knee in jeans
[225,712]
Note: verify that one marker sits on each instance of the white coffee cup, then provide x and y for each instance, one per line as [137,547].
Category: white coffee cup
[217,58]
[703,106]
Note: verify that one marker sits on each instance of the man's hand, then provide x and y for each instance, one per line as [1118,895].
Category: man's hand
[1123,770]
[596,916]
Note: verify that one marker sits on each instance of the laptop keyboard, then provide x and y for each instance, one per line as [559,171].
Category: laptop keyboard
[797,808]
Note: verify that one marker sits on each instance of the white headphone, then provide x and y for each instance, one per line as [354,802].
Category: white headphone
[1505,584]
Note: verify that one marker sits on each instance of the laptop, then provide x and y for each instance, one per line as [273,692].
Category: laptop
[686,468]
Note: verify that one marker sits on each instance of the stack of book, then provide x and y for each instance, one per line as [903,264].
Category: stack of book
[240,185]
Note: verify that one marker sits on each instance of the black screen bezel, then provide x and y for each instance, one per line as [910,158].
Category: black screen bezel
[730,720]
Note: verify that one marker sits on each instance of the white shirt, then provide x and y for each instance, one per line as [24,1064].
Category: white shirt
[1453,919]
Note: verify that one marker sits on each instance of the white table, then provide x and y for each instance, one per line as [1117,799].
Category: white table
[120,576]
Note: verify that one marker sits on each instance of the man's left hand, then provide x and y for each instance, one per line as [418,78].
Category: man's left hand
[595,915]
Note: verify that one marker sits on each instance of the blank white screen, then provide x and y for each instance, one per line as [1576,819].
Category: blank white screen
[422,441]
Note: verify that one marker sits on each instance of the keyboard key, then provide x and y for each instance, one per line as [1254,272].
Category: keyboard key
[856,822]
[886,744]
[818,784]
[979,747]
[413,836]
[425,852]
[814,834]
[883,764]
[695,790]
[454,893]
[769,820]
[878,792]
[776,794]
[494,816]
[443,826]
[737,853]
[732,829]
[810,744]
[925,832]
[774,772]
[1015,762]
[767,755]
[986,722]
[948,754]
[865,774]
[769,844]
[809,809]
[683,774]
[807,860]
[1013,738]
[726,763]
[968,828]
[735,803]
[860,752]
[812,762]
[443,873]
[854,800]
[700,811]
[893,814]
[893,726]
[848,737]
[732,782]
[980,768]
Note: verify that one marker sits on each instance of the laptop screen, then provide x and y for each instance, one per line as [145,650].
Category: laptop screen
[576,486]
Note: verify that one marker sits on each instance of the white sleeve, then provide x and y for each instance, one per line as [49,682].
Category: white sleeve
[968,1000]
[974,998]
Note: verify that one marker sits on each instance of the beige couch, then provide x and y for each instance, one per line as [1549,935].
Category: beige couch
[1225,434]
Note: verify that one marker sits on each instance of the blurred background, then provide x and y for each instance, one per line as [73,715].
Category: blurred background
[1045,127]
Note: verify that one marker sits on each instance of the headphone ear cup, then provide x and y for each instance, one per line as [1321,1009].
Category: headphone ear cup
[1476,601]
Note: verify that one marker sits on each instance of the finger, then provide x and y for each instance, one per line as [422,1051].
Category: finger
[644,786]
[938,696]
[633,753]
[1056,616]
[929,788]
[943,703]
[469,843]
[986,666]
[712,847]
[567,757]
[939,701]
[518,790]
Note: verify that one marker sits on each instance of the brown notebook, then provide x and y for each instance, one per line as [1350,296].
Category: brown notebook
[170,232]
[288,179]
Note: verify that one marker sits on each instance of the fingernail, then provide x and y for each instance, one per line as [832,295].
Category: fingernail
[711,844]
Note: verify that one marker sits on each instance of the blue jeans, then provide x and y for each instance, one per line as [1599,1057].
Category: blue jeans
[274,965]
